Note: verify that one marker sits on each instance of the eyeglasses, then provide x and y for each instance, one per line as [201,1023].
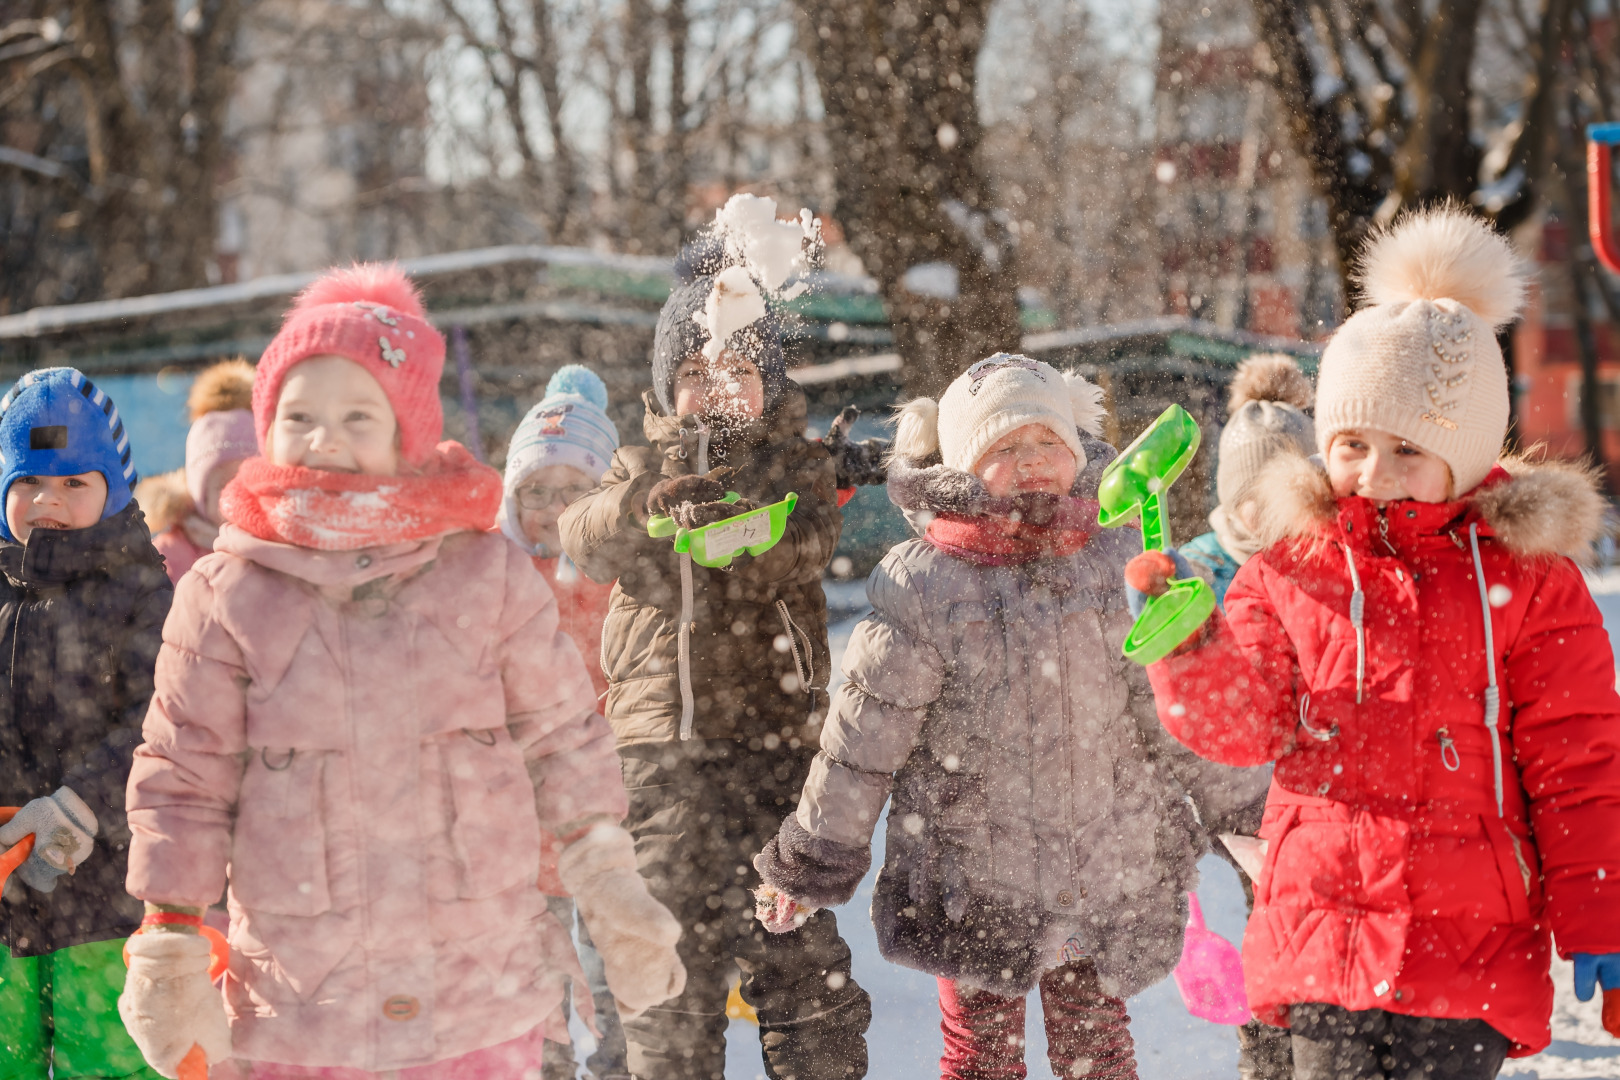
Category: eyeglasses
[538,497]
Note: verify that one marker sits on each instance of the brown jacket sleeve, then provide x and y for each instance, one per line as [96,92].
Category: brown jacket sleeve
[600,530]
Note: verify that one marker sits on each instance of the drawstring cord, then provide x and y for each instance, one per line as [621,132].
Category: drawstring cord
[1358,603]
[1493,696]
[683,636]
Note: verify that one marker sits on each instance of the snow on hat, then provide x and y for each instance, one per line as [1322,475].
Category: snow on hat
[1420,361]
[1265,414]
[56,422]
[371,314]
[680,336]
[995,396]
[215,439]
[569,426]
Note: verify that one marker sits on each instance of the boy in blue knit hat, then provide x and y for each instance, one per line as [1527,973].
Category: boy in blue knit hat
[83,597]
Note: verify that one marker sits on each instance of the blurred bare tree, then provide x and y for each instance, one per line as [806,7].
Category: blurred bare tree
[898,92]
[114,119]
[1381,100]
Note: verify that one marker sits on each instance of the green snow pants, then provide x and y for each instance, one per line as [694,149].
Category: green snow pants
[59,1016]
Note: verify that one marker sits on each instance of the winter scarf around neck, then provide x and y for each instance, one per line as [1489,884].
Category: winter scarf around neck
[1002,539]
[333,511]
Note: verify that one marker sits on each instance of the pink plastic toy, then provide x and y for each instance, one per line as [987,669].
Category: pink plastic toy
[1210,975]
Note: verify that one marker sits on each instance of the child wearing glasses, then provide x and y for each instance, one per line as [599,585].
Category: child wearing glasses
[557,454]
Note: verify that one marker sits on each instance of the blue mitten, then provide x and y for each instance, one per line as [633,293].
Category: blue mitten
[64,831]
[1592,969]
[1148,575]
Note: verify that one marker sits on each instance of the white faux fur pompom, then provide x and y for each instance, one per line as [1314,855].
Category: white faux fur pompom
[1086,399]
[1444,253]
[916,436]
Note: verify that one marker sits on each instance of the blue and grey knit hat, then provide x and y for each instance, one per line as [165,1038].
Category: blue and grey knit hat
[570,426]
[56,422]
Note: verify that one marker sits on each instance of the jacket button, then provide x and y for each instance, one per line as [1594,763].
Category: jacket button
[363,561]
[1065,899]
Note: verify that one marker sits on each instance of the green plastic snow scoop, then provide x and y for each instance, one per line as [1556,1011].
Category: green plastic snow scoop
[756,532]
[1136,483]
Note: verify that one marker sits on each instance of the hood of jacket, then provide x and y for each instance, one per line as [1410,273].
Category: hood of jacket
[1534,509]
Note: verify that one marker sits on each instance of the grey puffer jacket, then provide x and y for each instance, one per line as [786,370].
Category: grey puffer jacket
[1036,798]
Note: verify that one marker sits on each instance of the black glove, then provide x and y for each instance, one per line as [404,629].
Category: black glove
[667,495]
[856,462]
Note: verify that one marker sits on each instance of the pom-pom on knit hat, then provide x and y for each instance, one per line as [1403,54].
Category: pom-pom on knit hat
[569,426]
[1265,414]
[56,422]
[1420,361]
[369,313]
[221,387]
[997,395]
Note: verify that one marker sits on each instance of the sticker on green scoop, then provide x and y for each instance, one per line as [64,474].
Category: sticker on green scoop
[755,531]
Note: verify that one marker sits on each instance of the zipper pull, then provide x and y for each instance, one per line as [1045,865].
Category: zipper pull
[1448,751]
[1383,531]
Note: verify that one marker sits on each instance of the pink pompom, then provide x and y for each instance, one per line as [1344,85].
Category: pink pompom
[371,283]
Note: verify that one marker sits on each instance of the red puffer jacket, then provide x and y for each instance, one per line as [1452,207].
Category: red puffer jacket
[1394,879]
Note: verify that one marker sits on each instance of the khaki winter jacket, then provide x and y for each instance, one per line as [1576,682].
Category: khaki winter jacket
[759,661]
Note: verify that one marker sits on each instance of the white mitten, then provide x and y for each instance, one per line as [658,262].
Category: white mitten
[63,828]
[635,934]
[169,1004]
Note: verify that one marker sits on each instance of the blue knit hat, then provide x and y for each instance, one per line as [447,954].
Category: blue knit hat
[570,426]
[56,422]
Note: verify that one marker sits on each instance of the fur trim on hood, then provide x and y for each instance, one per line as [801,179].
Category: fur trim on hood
[1545,508]
[929,486]
[164,500]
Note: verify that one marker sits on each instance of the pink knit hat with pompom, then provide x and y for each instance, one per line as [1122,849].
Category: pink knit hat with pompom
[372,314]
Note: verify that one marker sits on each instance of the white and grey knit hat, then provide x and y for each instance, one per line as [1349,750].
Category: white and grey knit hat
[995,396]
[1420,361]
[1265,415]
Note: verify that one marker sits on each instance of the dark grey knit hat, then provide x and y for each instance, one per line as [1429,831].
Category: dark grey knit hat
[679,335]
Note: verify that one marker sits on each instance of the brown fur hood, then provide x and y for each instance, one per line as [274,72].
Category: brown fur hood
[1545,507]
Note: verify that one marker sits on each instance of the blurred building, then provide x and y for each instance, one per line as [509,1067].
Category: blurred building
[327,139]
[1244,242]
[1547,348]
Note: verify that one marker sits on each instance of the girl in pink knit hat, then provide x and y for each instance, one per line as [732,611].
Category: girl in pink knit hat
[365,716]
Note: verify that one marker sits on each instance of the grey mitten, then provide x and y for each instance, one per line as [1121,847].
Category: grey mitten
[64,830]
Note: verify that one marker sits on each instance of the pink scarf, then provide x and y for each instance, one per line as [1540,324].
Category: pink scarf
[1000,540]
[333,511]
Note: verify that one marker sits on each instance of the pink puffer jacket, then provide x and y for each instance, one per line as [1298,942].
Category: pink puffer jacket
[370,761]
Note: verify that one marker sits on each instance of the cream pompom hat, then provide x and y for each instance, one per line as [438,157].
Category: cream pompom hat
[1420,359]
[995,396]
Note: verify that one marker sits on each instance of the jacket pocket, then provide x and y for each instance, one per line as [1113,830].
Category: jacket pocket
[495,830]
[278,848]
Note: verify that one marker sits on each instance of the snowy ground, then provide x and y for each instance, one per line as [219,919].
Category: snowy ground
[904,1041]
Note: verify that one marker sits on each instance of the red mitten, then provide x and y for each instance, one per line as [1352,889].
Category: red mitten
[1150,572]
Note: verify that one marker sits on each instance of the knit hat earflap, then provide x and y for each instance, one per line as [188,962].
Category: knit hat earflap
[1265,415]
[56,422]
[569,426]
[371,314]
[1421,361]
[997,395]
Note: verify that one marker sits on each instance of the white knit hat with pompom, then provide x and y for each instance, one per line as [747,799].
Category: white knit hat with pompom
[1420,361]
[996,396]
